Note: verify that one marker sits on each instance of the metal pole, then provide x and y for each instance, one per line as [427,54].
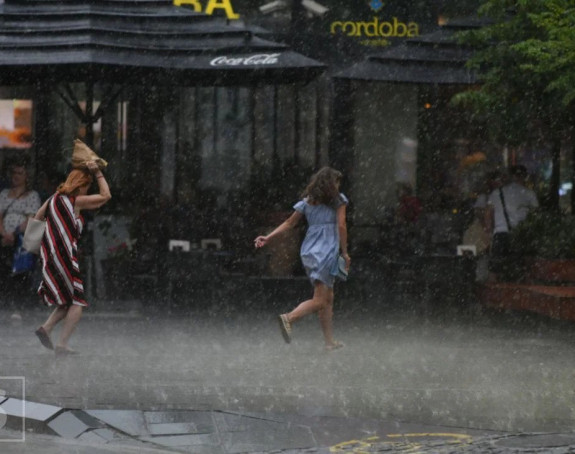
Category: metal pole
[90,114]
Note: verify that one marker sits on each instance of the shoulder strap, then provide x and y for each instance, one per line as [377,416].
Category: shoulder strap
[12,203]
[7,208]
[504,209]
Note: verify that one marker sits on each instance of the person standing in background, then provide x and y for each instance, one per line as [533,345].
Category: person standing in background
[507,207]
[17,203]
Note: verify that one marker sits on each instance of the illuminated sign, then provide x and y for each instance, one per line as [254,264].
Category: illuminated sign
[210,6]
[374,27]
[252,60]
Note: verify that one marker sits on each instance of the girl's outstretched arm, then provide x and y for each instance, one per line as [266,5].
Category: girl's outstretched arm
[288,224]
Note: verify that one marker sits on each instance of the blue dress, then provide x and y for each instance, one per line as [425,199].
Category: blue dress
[320,247]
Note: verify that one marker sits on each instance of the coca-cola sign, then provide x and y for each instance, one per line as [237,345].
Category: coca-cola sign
[251,60]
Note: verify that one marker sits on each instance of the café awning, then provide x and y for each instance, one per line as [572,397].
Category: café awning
[138,42]
[434,58]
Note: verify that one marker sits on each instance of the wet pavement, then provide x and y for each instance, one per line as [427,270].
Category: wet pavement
[411,378]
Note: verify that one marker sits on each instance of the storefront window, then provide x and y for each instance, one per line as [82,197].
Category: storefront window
[15,123]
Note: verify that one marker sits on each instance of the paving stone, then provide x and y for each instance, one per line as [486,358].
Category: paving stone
[185,440]
[279,437]
[537,441]
[202,420]
[131,422]
[103,436]
[88,419]
[29,410]
[241,423]
[68,425]
[107,434]
[177,428]
[92,437]
[10,435]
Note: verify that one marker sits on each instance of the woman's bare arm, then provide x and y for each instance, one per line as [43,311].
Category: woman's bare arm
[288,224]
[41,213]
[95,201]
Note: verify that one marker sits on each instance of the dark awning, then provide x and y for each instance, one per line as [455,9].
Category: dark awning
[434,58]
[138,41]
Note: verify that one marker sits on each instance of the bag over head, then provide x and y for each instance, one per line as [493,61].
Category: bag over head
[83,153]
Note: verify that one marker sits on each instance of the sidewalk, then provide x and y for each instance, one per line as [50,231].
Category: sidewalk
[405,369]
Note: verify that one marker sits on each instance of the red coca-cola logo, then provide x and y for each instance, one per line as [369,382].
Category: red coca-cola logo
[257,59]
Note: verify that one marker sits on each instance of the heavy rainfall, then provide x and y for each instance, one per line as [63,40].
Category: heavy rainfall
[287,226]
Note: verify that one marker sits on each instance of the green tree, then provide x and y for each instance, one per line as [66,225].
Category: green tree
[525,59]
[555,55]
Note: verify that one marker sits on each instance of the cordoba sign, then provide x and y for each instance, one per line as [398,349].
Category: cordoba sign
[374,23]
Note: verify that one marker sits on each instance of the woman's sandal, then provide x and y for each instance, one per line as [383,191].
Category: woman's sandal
[335,346]
[285,327]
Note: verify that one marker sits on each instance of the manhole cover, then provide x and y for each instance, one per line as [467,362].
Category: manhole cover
[537,441]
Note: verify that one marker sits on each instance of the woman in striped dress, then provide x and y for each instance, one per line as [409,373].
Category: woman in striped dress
[62,285]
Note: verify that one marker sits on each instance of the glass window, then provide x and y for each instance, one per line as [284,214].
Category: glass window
[15,123]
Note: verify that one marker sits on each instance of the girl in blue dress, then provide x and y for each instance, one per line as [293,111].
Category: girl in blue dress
[324,208]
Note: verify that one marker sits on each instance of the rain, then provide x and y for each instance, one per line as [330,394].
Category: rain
[451,125]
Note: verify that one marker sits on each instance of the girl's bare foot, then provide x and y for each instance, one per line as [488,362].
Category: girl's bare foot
[335,345]
[64,351]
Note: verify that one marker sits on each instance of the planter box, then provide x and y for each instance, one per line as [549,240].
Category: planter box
[551,270]
[551,301]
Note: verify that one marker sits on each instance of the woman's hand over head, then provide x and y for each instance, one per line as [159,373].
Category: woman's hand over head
[92,166]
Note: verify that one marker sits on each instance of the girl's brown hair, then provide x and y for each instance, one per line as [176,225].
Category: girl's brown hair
[76,179]
[323,187]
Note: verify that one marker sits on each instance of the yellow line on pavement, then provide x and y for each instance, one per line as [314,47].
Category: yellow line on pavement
[363,446]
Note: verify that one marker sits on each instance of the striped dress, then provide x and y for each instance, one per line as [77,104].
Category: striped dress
[61,282]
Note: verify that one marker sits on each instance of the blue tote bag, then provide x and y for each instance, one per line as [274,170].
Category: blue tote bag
[24,261]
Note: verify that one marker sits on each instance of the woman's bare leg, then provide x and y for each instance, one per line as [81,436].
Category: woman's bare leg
[319,300]
[72,318]
[56,316]
[325,315]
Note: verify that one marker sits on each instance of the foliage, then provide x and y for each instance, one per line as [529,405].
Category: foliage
[545,234]
[519,88]
[555,55]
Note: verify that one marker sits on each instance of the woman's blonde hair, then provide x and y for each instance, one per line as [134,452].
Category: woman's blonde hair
[76,179]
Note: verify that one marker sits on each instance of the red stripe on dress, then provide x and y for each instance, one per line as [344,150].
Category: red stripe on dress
[57,255]
[57,274]
[64,223]
[48,282]
[63,254]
